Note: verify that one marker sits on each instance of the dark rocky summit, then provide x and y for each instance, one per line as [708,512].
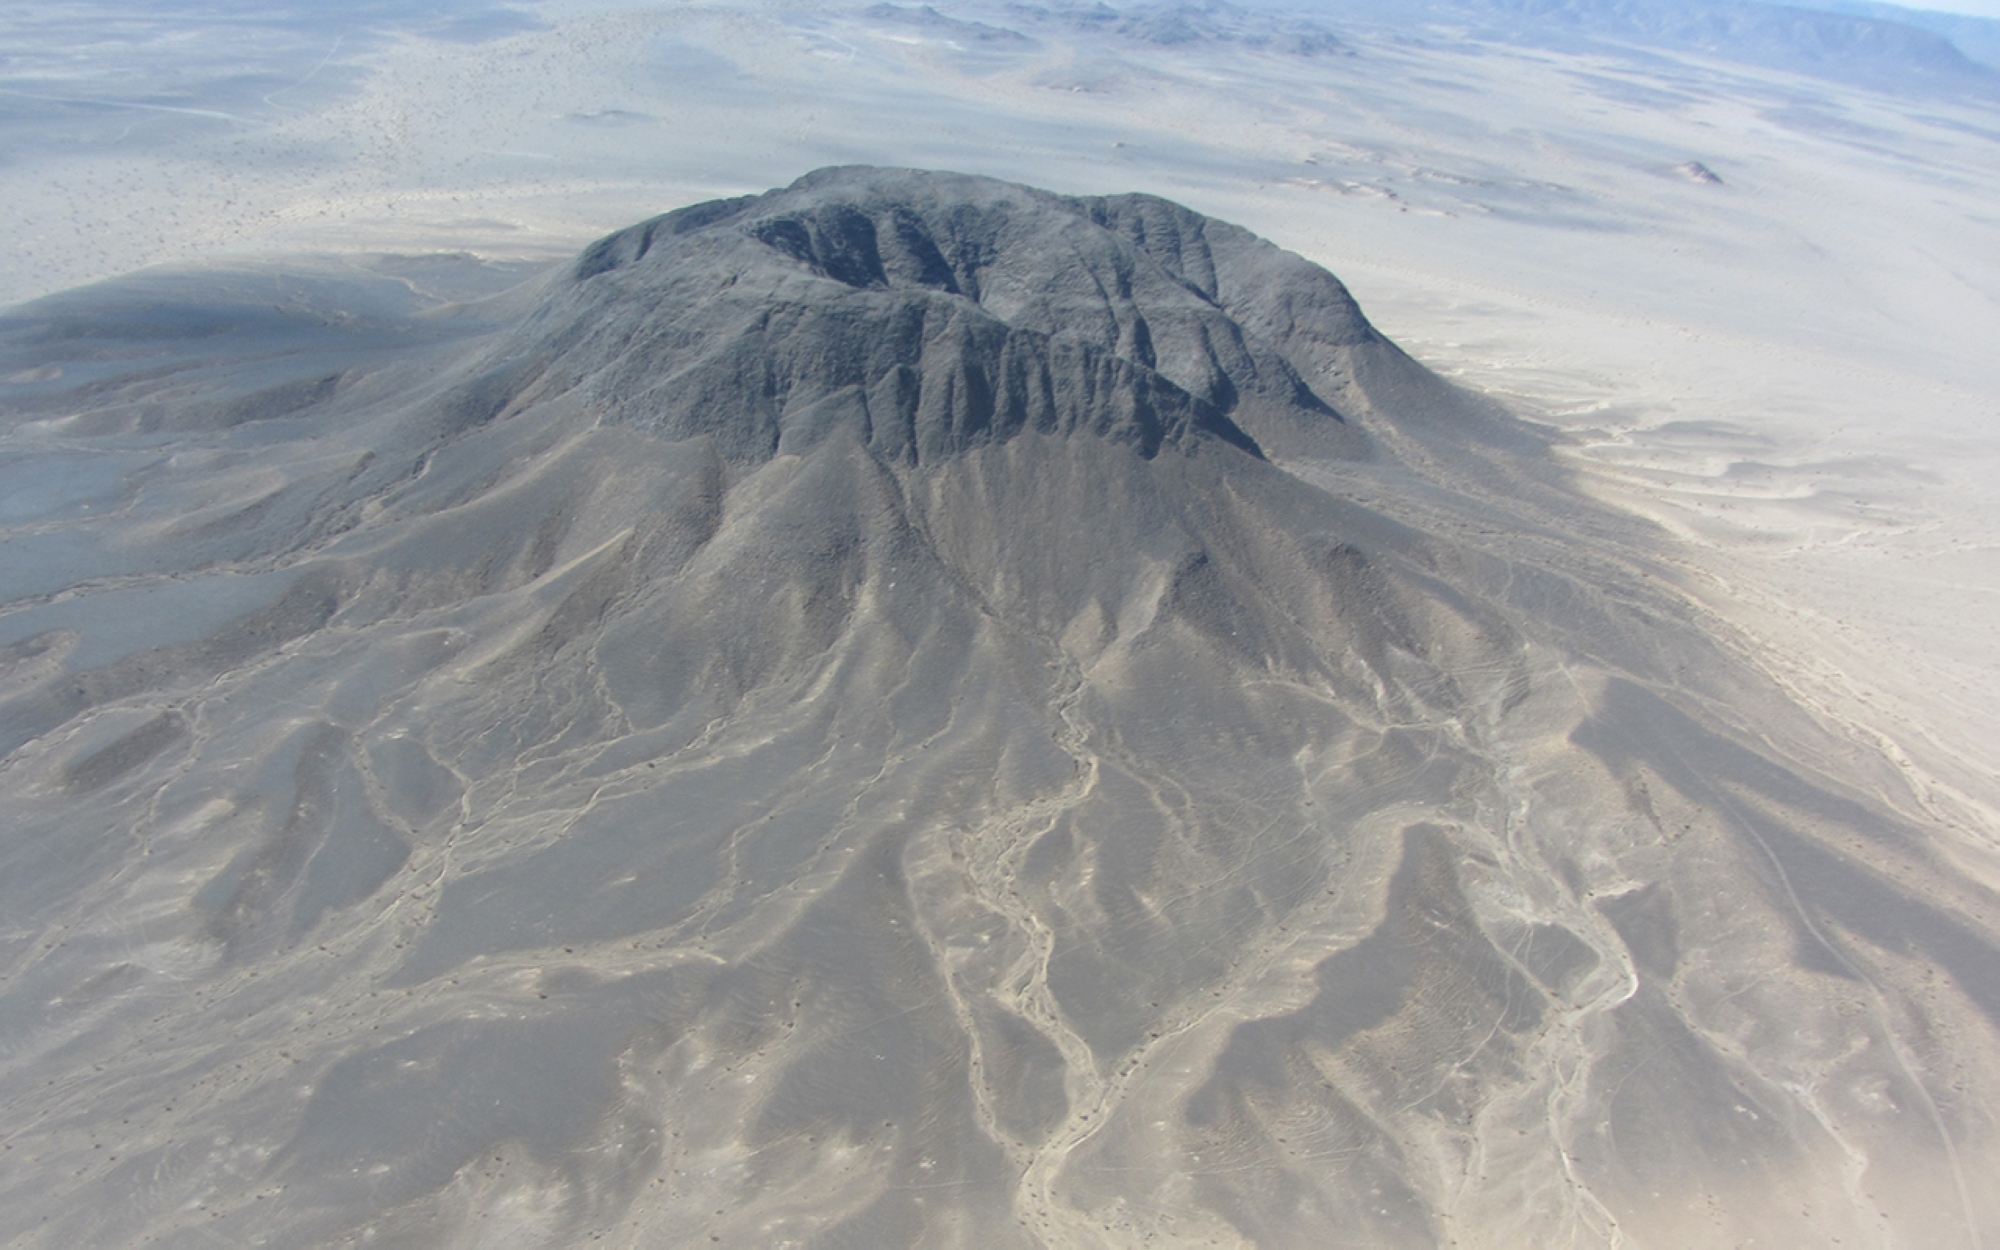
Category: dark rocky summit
[911,710]
[934,313]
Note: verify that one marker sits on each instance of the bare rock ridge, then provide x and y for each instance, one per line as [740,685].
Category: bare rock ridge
[936,312]
[911,711]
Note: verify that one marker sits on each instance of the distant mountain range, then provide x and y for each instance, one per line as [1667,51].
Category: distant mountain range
[1878,46]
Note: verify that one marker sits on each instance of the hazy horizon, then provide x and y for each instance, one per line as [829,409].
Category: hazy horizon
[1348,620]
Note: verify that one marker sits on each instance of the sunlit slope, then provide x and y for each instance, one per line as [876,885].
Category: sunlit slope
[913,711]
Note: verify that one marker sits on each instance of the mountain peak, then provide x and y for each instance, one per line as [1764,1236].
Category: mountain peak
[930,312]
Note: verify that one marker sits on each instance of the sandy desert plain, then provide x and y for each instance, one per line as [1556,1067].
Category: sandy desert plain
[1751,295]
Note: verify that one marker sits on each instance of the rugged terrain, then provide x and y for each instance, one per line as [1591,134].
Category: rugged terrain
[911,710]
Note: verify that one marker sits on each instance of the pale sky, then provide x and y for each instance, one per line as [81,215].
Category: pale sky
[1977,8]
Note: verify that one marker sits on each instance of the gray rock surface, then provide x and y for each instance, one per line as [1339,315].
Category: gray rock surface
[909,710]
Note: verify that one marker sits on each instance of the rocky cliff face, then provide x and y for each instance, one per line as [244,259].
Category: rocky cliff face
[934,313]
[910,710]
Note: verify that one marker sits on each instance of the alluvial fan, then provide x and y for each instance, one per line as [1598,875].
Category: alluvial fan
[912,711]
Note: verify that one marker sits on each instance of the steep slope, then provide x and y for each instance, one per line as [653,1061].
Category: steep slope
[910,710]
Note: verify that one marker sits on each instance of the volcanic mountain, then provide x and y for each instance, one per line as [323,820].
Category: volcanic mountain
[912,711]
